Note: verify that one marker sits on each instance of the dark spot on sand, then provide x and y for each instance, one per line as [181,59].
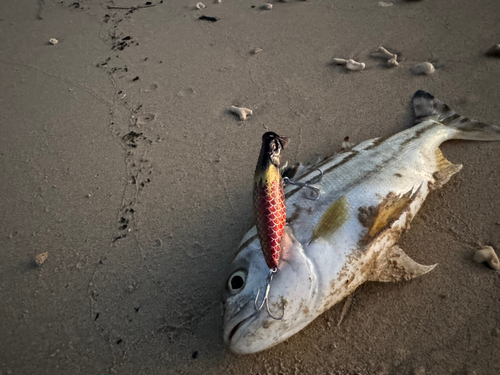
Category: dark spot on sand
[207,18]
[145,119]
[119,237]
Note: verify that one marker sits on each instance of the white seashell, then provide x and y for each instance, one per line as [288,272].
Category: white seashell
[53,41]
[354,65]
[346,145]
[382,4]
[41,258]
[339,61]
[257,50]
[391,63]
[383,53]
[218,1]
[423,68]
[267,6]
[487,254]
[200,6]
[242,112]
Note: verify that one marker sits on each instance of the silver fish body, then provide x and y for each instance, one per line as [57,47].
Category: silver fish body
[367,196]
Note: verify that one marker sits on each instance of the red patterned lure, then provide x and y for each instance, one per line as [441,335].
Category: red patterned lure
[269,198]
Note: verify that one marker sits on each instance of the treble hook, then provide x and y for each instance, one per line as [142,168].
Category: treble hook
[315,197]
[269,278]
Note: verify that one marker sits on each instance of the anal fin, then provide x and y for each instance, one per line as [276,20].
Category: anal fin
[397,266]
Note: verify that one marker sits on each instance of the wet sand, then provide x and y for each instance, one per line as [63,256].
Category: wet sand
[121,160]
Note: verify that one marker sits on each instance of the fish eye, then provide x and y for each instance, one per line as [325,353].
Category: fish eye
[237,281]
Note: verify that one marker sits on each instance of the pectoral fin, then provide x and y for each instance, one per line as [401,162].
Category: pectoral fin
[395,265]
[378,218]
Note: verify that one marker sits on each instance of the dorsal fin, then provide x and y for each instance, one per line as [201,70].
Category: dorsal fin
[395,265]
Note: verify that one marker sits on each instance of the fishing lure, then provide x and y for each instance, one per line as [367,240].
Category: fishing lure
[269,197]
[269,205]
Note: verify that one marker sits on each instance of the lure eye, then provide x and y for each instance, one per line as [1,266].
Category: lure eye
[237,281]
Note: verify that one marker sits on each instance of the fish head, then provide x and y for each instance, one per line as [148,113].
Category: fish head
[248,329]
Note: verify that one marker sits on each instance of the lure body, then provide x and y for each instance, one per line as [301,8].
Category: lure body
[269,198]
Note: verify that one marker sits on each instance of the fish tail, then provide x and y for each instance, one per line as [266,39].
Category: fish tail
[427,107]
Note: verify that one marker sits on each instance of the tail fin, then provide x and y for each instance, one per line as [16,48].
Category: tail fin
[427,107]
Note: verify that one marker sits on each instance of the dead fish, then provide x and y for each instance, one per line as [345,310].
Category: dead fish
[367,196]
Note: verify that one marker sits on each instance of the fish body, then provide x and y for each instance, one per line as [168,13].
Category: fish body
[368,196]
[269,198]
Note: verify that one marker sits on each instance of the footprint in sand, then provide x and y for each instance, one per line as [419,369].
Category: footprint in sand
[145,119]
[186,92]
[152,87]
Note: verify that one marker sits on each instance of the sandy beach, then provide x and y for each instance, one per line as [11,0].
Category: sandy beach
[121,160]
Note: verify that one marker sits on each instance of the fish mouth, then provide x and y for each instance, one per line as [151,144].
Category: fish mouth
[232,331]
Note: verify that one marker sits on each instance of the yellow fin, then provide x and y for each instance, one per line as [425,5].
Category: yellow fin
[378,218]
[332,219]
[445,169]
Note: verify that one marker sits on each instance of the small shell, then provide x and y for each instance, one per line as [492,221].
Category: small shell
[494,51]
[339,61]
[346,145]
[423,68]
[53,41]
[354,65]
[391,63]
[256,50]
[487,254]
[41,258]
[267,6]
[242,112]
[383,53]
[382,4]
[200,6]
[218,1]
